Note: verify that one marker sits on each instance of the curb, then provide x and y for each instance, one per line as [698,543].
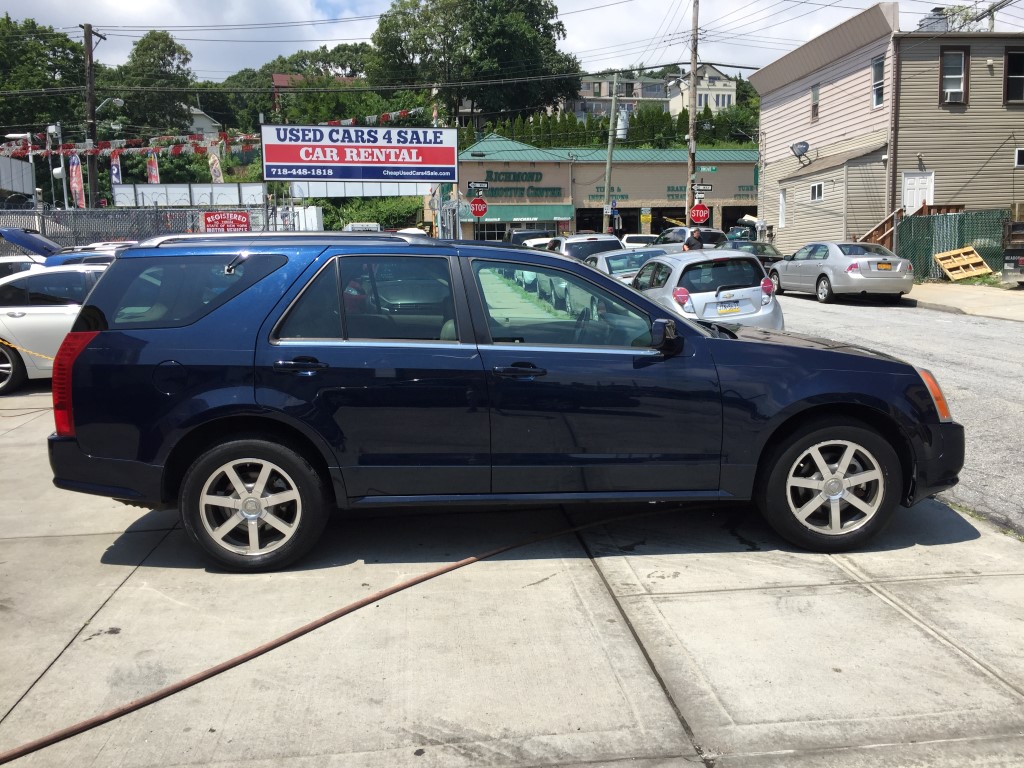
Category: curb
[939,307]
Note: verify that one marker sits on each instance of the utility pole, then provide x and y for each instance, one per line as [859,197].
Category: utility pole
[613,124]
[691,157]
[90,112]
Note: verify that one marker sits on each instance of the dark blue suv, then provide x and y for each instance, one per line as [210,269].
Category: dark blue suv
[260,382]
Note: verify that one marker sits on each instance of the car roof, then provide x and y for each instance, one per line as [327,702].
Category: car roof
[594,236]
[51,270]
[333,237]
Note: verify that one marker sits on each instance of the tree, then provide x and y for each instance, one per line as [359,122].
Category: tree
[159,64]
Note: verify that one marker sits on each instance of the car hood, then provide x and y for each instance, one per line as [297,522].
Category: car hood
[32,242]
[786,338]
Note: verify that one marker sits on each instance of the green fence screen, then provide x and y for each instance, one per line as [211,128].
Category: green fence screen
[919,238]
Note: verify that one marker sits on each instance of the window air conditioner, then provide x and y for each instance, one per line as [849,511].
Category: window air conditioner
[954,97]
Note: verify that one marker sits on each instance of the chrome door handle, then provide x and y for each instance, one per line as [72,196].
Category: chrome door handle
[15,314]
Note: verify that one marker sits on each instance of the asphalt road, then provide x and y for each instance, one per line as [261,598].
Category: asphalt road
[977,361]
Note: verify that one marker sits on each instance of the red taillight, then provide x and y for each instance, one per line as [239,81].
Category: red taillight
[682,297]
[853,267]
[910,267]
[767,290]
[70,348]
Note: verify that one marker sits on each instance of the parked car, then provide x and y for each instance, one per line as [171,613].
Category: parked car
[232,378]
[765,252]
[519,236]
[37,309]
[827,269]
[622,265]
[579,247]
[672,239]
[710,286]
[526,278]
[637,241]
[25,248]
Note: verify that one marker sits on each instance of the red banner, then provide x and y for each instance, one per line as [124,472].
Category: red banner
[75,178]
[152,169]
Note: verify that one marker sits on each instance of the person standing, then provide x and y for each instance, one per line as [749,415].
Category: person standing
[693,242]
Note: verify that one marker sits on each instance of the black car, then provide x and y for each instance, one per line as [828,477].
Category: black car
[765,252]
[259,383]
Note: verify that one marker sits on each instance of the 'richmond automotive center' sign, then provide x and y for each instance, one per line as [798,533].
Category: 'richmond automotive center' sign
[311,152]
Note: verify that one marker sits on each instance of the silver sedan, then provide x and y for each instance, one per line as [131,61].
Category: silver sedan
[624,264]
[827,269]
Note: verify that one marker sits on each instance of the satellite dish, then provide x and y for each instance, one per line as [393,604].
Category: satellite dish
[799,149]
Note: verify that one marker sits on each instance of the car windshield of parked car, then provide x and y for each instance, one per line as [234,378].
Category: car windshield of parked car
[671,236]
[712,276]
[866,249]
[594,317]
[170,292]
[629,262]
[580,250]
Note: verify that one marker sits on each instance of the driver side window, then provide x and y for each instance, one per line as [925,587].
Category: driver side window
[803,254]
[565,310]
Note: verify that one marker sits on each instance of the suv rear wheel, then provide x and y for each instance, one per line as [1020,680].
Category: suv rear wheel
[254,505]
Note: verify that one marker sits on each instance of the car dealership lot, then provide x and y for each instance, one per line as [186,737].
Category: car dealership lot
[661,639]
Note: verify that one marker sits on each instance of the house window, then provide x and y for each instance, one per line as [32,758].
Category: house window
[817,191]
[877,81]
[586,86]
[954,75]
[1013,88]
[1018,158]
[815,90]
[782,208]
[597,89]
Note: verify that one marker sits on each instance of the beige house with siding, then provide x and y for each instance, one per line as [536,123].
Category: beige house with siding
[864,119]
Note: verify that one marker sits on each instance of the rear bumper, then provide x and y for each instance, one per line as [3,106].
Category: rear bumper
[74,470]
[855,283]
[939,461]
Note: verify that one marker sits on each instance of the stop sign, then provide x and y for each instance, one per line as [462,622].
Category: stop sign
[700,213]
[478,206]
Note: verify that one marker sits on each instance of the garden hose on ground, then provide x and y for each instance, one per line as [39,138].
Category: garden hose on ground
[170,690]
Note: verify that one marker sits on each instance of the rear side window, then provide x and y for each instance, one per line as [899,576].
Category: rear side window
[711,276]
[14,293]
[170,291]
[381,297]
[47,289]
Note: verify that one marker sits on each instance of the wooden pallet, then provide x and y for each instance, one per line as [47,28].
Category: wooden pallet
[962,263]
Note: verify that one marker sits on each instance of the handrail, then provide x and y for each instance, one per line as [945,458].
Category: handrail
[882,232]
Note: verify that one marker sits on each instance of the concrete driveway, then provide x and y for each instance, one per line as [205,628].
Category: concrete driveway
[664,638]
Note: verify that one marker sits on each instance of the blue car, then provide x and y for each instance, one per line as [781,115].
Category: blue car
[260,383]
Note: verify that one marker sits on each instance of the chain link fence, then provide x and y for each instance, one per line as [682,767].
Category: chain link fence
[79,227]
[919,238]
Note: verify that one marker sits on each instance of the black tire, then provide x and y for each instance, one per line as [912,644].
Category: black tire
[12,370]
[823,290]
[302,517]
[844,517]
[777,282]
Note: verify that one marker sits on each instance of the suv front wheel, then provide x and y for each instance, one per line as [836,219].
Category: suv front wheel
[254,505]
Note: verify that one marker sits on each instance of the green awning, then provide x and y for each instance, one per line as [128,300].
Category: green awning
[525,213]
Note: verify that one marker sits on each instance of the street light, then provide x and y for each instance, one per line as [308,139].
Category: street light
[31,162]
[113,99]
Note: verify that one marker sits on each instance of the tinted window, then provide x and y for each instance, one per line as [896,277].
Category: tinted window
[171,291]
[629,262]
[585,248]
[398,297]
[711,237]
[642,281]
[316,314]
[710,276]
[598,318]
[14,293]
[661,275]
[13,267]
[671,236]
[47,288]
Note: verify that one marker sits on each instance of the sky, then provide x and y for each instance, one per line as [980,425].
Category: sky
[602,33]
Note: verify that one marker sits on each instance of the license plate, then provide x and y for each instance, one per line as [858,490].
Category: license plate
[885,267]
[728,307]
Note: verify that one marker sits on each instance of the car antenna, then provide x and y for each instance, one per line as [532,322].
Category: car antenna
[229,269]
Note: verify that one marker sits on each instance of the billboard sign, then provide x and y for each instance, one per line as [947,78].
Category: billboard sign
[378,153]
[226,221]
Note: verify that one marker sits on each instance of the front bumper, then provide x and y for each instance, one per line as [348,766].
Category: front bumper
[940,457]
[75,470]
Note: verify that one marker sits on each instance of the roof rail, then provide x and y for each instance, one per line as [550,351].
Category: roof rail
[199,237]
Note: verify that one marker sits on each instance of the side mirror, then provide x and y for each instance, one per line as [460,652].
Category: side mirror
[664,336]
[788,257]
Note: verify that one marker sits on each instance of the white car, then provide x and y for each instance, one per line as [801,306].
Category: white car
[37,309]
[637,241]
